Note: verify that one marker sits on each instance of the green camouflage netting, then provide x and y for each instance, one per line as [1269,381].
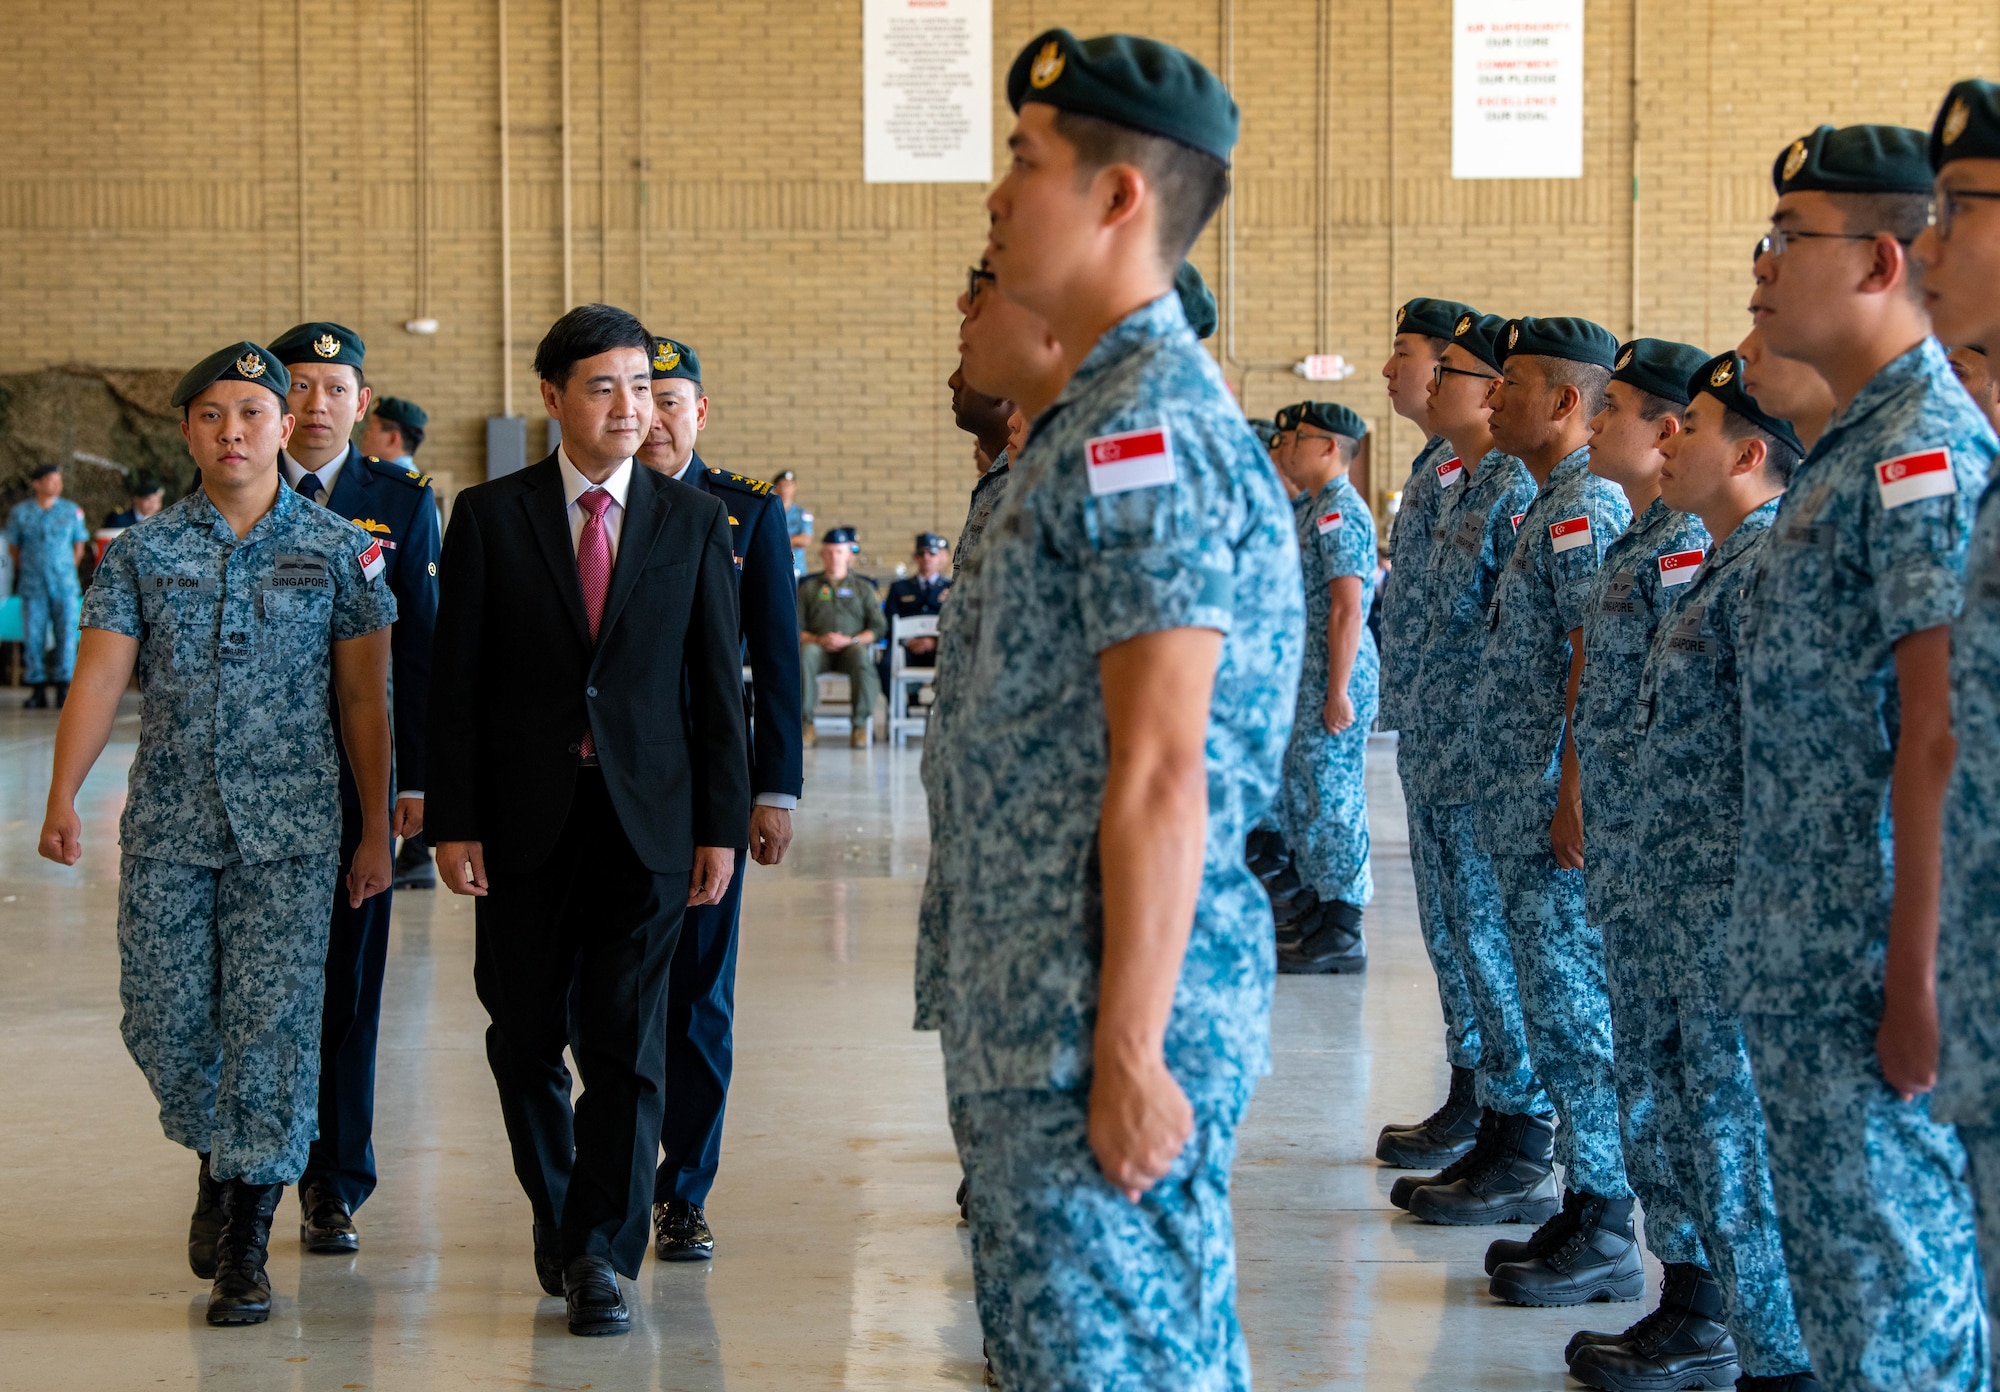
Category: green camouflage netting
[103,425]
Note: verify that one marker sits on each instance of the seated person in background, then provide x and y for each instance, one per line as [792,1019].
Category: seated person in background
[922,593]
[146,493]
[840,619]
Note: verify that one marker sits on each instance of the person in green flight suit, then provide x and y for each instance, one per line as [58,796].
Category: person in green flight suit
[840,617]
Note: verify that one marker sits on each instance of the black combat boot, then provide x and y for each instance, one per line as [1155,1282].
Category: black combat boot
[1546,1238]
[1483,1142]
[1663,1311]
[211,1208]
[1683,1344]
[1598,1260]
[1516,1184]
[242,1291]
[1333,943]
[38,698]
[1439,1138]
[1265,853]
[1786,1382]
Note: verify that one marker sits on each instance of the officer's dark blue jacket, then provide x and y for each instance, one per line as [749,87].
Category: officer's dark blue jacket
[767,599]
[400,511]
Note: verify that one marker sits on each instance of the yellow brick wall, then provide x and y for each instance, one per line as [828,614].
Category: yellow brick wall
[153,204]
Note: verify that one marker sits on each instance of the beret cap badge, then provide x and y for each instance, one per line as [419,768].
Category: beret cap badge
[1464,327]
[250,366]
[667,357]
[1955,120]
[1795,159]
[1723,372]
[1048,66]
[1625,359]
[1513,335]
[327,346]
[1402,314]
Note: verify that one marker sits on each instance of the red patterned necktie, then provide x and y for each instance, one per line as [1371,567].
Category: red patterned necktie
[593,573]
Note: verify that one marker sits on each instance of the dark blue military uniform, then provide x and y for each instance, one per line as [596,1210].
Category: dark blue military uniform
[399,510]
[911,598]
[701,989]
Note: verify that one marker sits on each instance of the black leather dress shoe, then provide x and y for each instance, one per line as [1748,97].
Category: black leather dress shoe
[242,1290]
[211,1208]
[548,1258]
[324,1222]
[680,1232]
[596,1304]
[413,866]
[964,1200]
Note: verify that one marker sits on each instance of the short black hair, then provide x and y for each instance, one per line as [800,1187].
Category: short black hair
[1654,407]
[1900,215]
[412,435]
[1780,459]
[1189,183]
[585,332]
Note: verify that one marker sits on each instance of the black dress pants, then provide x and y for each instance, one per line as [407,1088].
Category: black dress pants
[593,920]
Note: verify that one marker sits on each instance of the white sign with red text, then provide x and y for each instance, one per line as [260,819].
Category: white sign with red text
[1517,89]
[927,91]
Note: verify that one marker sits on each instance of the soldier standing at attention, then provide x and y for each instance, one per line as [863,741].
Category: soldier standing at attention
[1959,252]
[1133,623]
[1731,1314]
[1640,574]
[1847,752]
[798,522]
[1324,804]
[241,606]
[840,619]
[394,433]
[1786,388]
[701,984]
[328,397]
[47,534]
[1529,813]
[1423,329]
[1506,1177]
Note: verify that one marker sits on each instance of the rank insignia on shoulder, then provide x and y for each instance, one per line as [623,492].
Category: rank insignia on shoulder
[1680,567]
[1569,534]
[1911,477]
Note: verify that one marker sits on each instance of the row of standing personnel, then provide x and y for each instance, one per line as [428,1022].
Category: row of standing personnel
[252,990]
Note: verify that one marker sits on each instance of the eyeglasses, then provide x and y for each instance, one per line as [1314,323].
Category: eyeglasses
[1773,243]
[1440,372]
[1945,209]
[975,279]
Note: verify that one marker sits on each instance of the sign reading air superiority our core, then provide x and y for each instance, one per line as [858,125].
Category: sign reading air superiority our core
[1517,89]
[927,91]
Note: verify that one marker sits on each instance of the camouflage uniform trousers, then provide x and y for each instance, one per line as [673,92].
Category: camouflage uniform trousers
[48,621]
[856,662]
[1668,1204]
[1079,1289]
[1559,957]
[1875,1209]
[1325,806]
[1461,1026]
[221,976]
[1475,916]
[1982,1154]
[1711,1124]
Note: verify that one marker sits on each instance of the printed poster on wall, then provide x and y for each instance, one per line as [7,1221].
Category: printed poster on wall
[1517,89]
[927,91]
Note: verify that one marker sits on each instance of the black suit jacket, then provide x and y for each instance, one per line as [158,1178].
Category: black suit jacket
[767,594]
[515,679]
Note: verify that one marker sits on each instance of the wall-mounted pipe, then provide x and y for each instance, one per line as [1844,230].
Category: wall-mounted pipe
[568,248]
[506,232]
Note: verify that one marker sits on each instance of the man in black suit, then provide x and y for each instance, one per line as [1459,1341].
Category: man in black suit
[701,990]
[329,394]
[588,781]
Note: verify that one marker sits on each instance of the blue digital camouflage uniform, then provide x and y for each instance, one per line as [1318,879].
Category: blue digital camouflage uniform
[50,593]
[1405,615]
[1324,805]
[1474,534]
[798,522]
[1634,584]
[951,662]
[1676,1043]
[1969,930]
[1521,697]
[1189,528]
[232,819]
[1872,1193]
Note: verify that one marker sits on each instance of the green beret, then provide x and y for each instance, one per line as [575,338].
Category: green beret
[1334,418]
[675,359]
[397,411]
[1854,159]
[1968,124]
[1578,340]
[1479,335]
[1438,318]
[319,342]
[1196,300]
[1722,378]
[1141,83]
[1288,417]
[239,362]
[1266,430]
[1659,366]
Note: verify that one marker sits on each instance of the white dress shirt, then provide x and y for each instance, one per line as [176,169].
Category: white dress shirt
[575,485]
[294,471]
